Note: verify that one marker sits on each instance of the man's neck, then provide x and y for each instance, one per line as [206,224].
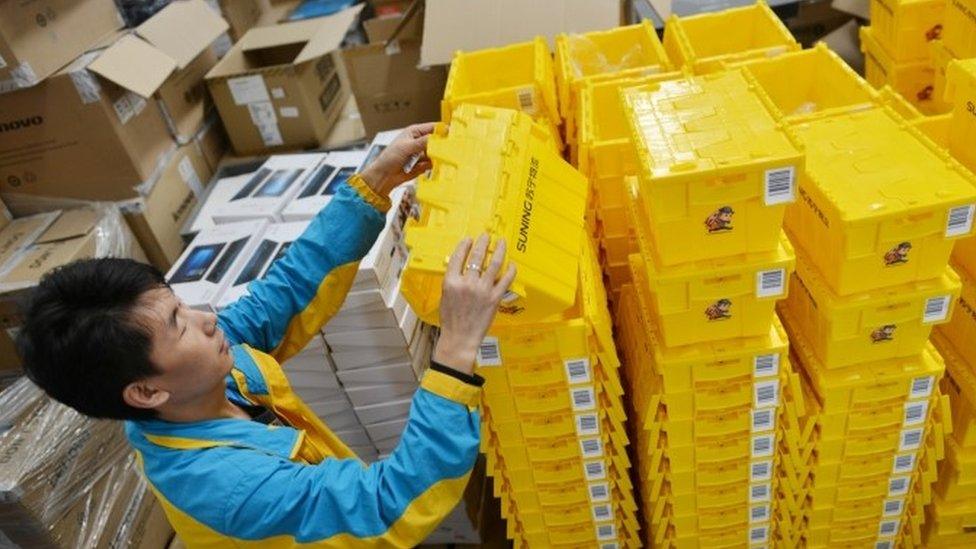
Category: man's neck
[215,406]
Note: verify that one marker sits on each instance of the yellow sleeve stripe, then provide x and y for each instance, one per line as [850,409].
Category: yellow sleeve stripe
[374,199]
[451,388]
[180,443]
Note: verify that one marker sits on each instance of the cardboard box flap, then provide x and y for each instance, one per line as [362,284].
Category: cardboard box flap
[23,232]
[260,38]
[328,37]
[183,30]
[135,65]
[71,224]
[323,34]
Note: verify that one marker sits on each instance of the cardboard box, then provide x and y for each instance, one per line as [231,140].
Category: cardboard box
[390,88]
[241,15]
[348,128]
[212,141]
[217,193]
[38,38]
[274,243]
[383,411]
[165,60]
[157,217]
[336,169]
[78,135]
[269,189]
[214,258]
[283,86]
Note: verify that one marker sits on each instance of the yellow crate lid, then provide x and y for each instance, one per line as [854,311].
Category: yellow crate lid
[894,168]
[935,128]
[698,126]
[961,373]
[960,79]
[496,172]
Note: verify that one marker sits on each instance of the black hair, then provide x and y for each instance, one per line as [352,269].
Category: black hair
[905,245]
[726,210]
[81,340]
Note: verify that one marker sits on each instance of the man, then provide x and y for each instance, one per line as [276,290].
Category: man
[233,455]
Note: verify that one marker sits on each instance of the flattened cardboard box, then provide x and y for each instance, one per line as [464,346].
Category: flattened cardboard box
[283,86]
[37,38]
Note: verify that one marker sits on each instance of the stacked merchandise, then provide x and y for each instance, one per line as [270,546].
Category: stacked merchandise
[552,412]
[706,358]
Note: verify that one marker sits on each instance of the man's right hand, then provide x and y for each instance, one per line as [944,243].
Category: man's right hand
[469,301]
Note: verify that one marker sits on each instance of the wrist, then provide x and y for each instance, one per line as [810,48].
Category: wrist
[455,355]
[374,180]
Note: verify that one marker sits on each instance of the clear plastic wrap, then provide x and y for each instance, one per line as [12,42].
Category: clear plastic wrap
[588,58]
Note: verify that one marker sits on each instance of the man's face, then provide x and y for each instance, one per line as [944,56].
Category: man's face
[189,351]
[725,216]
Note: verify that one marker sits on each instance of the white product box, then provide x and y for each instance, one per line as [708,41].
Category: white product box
[369,309]
[392,374]
[385,356]
[385,431]
[385,446]
[220,191]
[366,453]
[381,266]
[321,378]
[371,395]
[399,336]
[269,189]
[386,411]
[320,186]
[212,260]
[340,421]
[274,243]
[356,436]
[377,145]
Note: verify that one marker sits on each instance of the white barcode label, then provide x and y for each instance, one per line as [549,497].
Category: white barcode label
[761,471]
[592,447]
[526,99]
[915,412]
[602,512]
[762,446]
[606,531]
[770,283]
[595,470]
[489,353]
[613,545]
[888,528]
[578,370]
[759,492]
[759,534]
[898,486]
[883,545]
[600,492]
[893,507]
[911,439]
[780,185]
[763,420]
[921,387]
[936,309]
[587,425]
[766,394]
[765,365]
[759,513]
[904,463]
[960,220]
[583,399]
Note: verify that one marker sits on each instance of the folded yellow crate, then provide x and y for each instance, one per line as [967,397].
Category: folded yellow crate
[905,27]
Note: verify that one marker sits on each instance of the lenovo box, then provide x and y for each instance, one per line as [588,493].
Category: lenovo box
[269,189]
[214,258]
[319,189]
[39,37]
[274,243]
[283,86]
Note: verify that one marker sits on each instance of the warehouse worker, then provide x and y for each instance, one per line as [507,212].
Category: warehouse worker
[233,455]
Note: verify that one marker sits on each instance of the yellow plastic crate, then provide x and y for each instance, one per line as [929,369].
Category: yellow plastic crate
[914,80]
[961,91]
[875,325]
[890,228]
[811,83]
[905,27]
[623,52]
[716,169]
[936,128]
[494,173]
[941,57]
[519,76]
[960,386]
[897,102]
[961,330]
[959,29]
[964,256]
[711,42]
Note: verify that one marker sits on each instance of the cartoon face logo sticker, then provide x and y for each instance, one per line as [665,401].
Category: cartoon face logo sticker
[934,33]
[898,255]
[884,333]
[720,221]
[720,310]
[925,93]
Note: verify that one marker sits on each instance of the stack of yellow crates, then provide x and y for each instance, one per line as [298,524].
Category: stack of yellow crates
[873,240]
[706,359]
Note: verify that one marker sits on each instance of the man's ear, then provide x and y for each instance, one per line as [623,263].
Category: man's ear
[144,394]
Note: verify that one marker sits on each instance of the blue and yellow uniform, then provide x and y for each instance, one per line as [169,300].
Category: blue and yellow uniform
[236,483]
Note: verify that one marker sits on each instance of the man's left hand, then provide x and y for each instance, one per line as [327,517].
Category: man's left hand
[385,173]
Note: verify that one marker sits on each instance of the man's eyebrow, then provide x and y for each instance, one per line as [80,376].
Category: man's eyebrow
[172,317]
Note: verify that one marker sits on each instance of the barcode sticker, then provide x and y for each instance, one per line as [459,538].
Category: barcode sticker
[526,99]
[578,370]
[898,486]
[915,412]
[606,531]
[763,420]
[595,470]
[936,309]
[765,365]
[761,471]
[904,463]
[780,185]
[762,446]
[592,447]
[587,425]
[613,545]
[583,399]
[893,507]
[911,439]
[960,220]
[600,492]
[771,283]
[602,512]
[921,387]
[759,513]
[888,528]
[489,353]
[766,394]
[883,545]
[759,534]
[759,493]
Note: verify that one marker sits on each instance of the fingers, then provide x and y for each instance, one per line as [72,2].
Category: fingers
[476,259]
[502,286]
[415,145]
[497,259]
[418,130]
[456,262]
